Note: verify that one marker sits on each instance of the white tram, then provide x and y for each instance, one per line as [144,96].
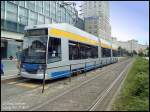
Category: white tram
[62,48]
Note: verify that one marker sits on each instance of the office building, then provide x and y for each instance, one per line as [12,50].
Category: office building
[96,17]
[130,45]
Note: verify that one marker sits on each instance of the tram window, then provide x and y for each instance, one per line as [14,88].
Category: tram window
[95,52]
[88,51]
[106,52]
[54,50]
[91,51]
[114,53]
[73,50]
[82,51]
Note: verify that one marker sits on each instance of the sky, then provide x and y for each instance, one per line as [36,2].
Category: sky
[129,20]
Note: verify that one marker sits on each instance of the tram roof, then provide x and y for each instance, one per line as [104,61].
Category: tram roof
[65,27]
[69,31]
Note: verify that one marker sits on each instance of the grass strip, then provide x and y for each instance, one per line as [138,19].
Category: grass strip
[134,94]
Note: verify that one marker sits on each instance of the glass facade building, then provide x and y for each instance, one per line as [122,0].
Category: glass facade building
[15,15]
[80,23]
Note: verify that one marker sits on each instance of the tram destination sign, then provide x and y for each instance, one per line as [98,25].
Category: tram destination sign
[36,32]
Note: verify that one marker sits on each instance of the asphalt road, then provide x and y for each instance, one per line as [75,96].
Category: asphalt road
[82,93]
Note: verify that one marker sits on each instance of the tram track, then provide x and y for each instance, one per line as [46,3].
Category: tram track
[55,83]
[102,95]
[76,87]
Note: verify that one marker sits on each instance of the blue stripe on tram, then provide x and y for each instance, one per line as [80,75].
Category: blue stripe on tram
[60,74]
[66,73]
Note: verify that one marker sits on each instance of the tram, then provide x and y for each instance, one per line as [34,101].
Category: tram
[61,48]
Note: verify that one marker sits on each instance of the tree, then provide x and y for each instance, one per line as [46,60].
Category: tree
[124,52]
[147,49]
[141,54]
[119,51]
[134,52]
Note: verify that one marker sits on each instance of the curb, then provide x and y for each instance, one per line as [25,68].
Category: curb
[5,79]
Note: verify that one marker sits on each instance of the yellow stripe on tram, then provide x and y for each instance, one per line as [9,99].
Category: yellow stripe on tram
[61,33]
[105,45]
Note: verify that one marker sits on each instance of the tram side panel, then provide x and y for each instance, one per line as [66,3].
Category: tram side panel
[62,70]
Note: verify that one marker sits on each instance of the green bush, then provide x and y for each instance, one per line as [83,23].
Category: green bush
[134,95]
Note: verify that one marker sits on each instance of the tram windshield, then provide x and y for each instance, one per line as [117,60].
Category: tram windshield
[34,49]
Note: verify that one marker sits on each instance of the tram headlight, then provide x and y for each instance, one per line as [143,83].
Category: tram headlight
[23,66]
[40,67]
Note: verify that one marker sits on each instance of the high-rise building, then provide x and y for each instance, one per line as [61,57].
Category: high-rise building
[96,17]
[15,15]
